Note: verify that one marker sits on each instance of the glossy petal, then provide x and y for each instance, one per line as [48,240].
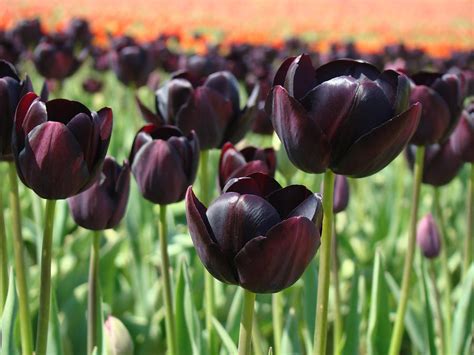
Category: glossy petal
[276,261]
[62,110]
[288,198]
[256,183]
[300,77]
[346,67]
[148,115]
[225,83]
[463,137]
[442,164]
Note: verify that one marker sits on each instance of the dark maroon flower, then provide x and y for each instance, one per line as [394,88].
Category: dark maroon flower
[92,85]
[131,62]
[441,97]
[54,57]
[341,193]
[59,146]
[79,31]
[428,237]
[346,115]
[28,32]
[12,89]
[103,205]
[9,49]
[441,163]
[262,123]
[164,162]
[256,234]
[234,163]
[462,139]
[211,110]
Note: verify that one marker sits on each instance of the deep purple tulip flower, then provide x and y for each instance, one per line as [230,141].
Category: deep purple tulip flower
[256,234]
[441,97]
[59,146]
[462,138]
[92,85]
[234,163]
[211,110]
[9,49]
[164,163]
[103,205]
[441,164]
[341,193]
[28,32]
[54,57]
[12,89]
[428,237]
[79,31]
[345,116]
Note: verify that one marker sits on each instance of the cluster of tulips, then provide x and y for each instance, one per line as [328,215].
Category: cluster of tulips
[344,118]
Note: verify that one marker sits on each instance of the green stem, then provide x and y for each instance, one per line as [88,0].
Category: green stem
[165,271]
[444,267]
[428,311]
[277,312]
[45,283]
[245,336]
[20,269]
[439,313]
[337,338]
[468,244]
[320,331]
[3,257]
[398,329]
[208,278]
[94,298]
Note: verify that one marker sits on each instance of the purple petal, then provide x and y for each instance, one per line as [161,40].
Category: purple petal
[256,184]
[300,77]
[288,198]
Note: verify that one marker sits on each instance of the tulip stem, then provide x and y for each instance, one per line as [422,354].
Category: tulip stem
[18,248]
[3,257]
[398,329]
[94,323]
[245,335]
[165,271]
[320,331]
[45,283]
[468,245]
[208,278]
[439,313]
[444,267]
[277,311]
[337,338]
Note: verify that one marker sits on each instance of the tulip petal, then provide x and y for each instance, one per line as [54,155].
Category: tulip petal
[441,165]
[280,75]
[226,84]
[276,261]
[148,115]
[305,143]
[256,184]
[209,252]
[346,67]
[62,110]
[362,159]
[288,198]
[300,77]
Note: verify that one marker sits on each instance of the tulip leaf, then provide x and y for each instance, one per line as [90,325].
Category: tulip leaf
[180,317]
[379,328]
[290,340]
[9,316]
[310,295]
[352,322]
[225,337]
[55,345]
[233,318]
[463,322]
[428,311]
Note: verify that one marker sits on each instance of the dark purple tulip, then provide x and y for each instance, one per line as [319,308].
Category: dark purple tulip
[92,85]
[164,163]
[441,163]
[441,97]
[12,89]
[103,205]
[9,50]
[211,110]
[428,237]
[54,57]
[59,146]
[28,32]
[234,163]
[262,124]
[341,193]
[346,115]
[256,234]
[131,62]
[462,138]
[79,31]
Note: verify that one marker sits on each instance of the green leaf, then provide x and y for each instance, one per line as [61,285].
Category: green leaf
[233,319]
[225,337]
[8,319]
[193,325]
[180,314]
[55,345]
[290,341]
[428,311]
[352,323]
[463,322]
[379,328]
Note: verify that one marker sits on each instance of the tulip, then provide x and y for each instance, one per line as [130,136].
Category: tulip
[118,339]
[79,31]
[164,163]
[234,163]
[103,205]
[28,32]
[462,139]
[441,97]
[59,146]
[211,110]
[256,234]
[341,193]
[428,237]
[54,57]
[9,49]
[12,89]
[345,115]
[92,85]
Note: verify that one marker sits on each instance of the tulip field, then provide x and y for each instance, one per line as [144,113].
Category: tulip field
[169,189]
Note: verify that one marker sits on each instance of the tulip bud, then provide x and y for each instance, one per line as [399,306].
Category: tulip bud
[164,163]
[117,338]
[428,237]
[103,205]
[92,85]
[59,146]
[341,193]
